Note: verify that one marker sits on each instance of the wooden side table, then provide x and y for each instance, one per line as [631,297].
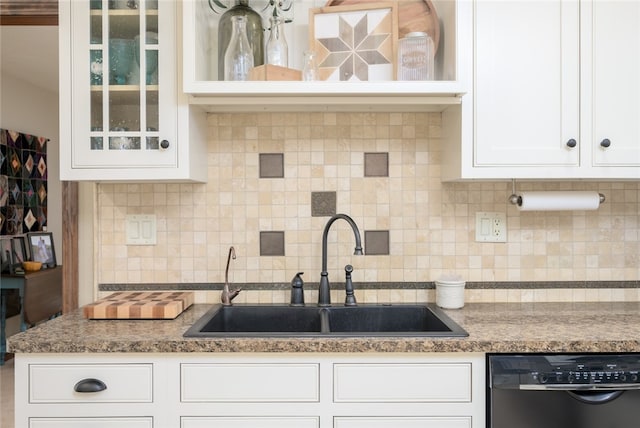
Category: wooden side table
[40,299]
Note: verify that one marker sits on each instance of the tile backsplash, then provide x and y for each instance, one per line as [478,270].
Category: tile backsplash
[430,224]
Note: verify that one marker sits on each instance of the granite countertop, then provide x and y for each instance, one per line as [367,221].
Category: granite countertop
[492,327]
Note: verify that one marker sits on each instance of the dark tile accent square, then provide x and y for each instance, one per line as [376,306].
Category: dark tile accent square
[272,243]
[376,164]
[323,204]
[376,242]
[271,165]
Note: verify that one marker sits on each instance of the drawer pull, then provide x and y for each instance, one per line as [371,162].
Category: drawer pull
[90,385]
[572,143]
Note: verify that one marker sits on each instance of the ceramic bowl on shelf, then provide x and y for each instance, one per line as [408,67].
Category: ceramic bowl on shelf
[32,266]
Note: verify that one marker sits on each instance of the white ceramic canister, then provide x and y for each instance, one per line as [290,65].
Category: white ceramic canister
[416,57]
[450,293]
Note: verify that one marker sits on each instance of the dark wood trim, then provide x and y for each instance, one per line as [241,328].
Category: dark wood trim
[70,275]
[29,7]
[44,20]
[29,12]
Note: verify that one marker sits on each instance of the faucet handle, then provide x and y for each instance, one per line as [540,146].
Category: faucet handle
[350,299]
[297,293]
[227,295]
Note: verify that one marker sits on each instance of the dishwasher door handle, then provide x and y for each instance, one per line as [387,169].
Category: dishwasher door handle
[587,387]
[595,397]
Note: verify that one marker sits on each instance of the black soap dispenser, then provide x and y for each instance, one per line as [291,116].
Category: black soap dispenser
[297,292]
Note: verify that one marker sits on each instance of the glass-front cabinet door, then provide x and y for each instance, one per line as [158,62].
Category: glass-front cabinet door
[123,84]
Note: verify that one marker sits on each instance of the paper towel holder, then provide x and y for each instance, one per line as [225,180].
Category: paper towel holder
[516,199]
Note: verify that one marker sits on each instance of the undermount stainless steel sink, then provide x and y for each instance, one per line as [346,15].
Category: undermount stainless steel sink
[425,320]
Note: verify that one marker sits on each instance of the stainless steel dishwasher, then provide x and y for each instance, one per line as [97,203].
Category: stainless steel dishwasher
[563,391]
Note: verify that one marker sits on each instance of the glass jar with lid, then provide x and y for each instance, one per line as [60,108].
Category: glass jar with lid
[416,57]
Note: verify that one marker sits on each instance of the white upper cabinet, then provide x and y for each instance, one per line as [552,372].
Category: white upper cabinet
[611,85]
[122,116]
[526,97]
[200,67]
[550,84]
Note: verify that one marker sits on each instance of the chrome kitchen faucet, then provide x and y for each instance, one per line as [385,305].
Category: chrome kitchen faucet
[227,296]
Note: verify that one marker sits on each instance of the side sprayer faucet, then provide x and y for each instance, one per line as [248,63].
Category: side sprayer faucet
[227,296]
[324,295]
[350,298]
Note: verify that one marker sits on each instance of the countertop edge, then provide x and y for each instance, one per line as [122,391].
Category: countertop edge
[492,328]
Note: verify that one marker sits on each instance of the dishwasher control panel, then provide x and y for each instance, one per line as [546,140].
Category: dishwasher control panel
[524,371]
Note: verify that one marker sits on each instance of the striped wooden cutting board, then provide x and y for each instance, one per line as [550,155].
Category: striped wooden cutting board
[136,305]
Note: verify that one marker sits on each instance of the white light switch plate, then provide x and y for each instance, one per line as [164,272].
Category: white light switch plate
[491,227]
[141,229]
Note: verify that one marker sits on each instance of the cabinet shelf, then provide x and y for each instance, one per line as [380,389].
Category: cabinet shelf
[201,81]
[314,96]
[122,12]
[123,23]
[126,94]
[125,88]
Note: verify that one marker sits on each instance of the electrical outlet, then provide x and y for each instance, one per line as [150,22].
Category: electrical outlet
[491,227]
[141,229]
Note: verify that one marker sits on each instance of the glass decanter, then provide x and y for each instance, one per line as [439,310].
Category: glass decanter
[254,30]
[238,58]
[310,67]
[277,48]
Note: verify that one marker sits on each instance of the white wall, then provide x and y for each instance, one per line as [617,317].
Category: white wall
[33,110]
[29,103]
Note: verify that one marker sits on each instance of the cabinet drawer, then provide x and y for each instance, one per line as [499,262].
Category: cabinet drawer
[410,383]
[403,422]
[251,422]
[250,382]
[126,383]
[91,422]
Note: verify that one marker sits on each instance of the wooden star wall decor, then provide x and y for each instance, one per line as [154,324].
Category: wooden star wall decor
[355,43]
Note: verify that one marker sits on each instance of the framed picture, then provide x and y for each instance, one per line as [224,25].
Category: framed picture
[42,250]
[18,251]
[6,261]
[27,248]
[355,42]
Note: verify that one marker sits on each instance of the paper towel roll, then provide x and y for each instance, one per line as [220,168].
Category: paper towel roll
[558,201]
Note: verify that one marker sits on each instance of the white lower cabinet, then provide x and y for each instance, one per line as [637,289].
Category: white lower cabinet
[250,422]
[91,422]
[62,383]
[403,422]
[276,390]
[288,383]
[402,383]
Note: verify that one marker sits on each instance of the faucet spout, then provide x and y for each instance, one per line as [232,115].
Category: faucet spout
[324,295]
[227,296]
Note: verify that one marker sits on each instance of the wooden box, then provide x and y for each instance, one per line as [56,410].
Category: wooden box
[274,72]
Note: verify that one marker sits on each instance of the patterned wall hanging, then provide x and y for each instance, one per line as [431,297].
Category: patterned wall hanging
[23,183]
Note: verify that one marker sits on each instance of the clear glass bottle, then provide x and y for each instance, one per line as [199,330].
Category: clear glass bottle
[277,48]
[310,67]
[238,58]
[254,30]
[415,57]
